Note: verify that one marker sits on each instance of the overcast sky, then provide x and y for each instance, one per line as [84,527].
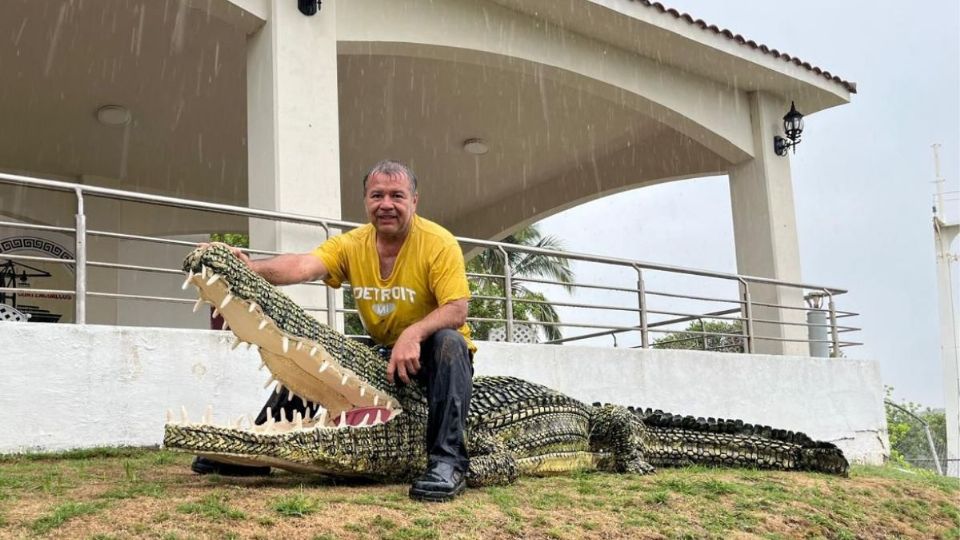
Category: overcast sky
[862,176]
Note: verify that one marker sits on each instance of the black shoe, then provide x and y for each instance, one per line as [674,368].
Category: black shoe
[441,483]
[202,465]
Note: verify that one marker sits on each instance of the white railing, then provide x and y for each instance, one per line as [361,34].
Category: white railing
[632,310]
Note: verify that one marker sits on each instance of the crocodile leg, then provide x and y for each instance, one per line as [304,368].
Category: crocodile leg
[617,431]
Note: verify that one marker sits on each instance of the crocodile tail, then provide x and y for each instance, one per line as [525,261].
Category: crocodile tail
[677,440]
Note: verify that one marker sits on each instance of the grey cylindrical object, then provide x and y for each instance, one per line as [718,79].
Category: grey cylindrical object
[817,333]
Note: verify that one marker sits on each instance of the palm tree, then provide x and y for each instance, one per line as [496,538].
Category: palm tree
[522,264]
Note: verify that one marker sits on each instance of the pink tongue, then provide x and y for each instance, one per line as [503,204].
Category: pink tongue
[356,416]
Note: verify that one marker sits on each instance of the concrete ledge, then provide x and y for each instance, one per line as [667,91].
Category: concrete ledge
[69,386]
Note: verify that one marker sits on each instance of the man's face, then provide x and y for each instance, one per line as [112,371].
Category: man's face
[390,204]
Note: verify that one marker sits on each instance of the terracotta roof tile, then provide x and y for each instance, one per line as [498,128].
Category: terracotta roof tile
[850,86]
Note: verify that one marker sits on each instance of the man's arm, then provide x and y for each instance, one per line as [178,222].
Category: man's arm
[405,358]
[286,269]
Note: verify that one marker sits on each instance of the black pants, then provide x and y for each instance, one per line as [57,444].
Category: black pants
[446,372]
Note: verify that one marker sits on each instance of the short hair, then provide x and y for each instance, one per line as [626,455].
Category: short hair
[391,167]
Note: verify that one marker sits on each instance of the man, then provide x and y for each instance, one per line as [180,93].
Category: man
[411,290]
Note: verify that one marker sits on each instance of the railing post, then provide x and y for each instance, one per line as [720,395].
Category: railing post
[642,304]
[748,315]
[80,284]
[508,292]
[331,294]
[834,334]
[703,334]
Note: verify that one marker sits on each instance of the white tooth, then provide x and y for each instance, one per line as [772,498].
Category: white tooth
[290,395]
[262,365]
[283,416]
[343,418]
[343,381]
[203,272]
[186,282]
[183,415]
[286,344]
[169,416]
[299,345]
[297,420]
[279,389]
[214,314]
[389,404]
[376,400]
[321,419]
[196,307]
[208,415]
[379,418]
[226,326]
[238,422]
[251,307]
[269,382]
[363,390]
[262,325]
[236,341]
[313,351]
[226,300]
[363,421]
[323,367]
[213,279]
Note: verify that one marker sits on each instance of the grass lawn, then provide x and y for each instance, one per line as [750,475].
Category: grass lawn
[133,493]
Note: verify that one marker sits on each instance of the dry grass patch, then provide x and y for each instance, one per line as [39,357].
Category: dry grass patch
[152,494]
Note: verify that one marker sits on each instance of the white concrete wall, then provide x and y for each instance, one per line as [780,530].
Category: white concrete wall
[66,386]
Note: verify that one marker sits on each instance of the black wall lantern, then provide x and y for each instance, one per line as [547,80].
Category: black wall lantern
[308,7]
[792,127]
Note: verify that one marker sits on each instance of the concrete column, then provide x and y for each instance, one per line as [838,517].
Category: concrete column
[293,129]
[765,229]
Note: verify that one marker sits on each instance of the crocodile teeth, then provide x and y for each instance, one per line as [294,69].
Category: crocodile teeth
[343,381]
[238,422]
[379,418]
[297,420]
[290,395]
[183,415]
[186,282]
[208,415]
[262,325]
[215,314]
[196,307]
[251,307]
[376,400]
[226,300]
[283,416]
[363,421]
[279,389]
[213,279]
[313,351]
[286,344]
[262,365]
[363,390]
[236,342]
[169,416]
[323,367]
[269,382]
[299,345]
[321,418]
[343,419]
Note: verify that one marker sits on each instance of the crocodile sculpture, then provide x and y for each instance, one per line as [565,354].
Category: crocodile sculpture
[367,427]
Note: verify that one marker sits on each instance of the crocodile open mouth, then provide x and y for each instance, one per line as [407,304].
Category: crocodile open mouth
[299,366]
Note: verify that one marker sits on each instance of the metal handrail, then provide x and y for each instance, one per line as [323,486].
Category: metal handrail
[745,303]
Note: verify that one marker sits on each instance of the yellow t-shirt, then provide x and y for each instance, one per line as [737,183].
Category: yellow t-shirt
[429,272]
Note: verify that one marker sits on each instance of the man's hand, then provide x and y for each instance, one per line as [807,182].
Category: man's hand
[233,249]
[404,359]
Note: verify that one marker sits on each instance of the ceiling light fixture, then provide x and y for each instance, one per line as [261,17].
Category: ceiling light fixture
[477,147]
[113,115]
